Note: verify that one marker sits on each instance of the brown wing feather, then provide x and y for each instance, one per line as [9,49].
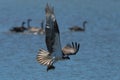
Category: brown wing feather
[71,49]
[49,29]
[52,33]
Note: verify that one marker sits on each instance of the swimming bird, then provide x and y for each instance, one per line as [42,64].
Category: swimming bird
[77,28]
[41,30]
[35,30]
[54,51]
[19,29]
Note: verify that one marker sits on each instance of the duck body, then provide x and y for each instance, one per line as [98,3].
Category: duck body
[77,28]
[19,29]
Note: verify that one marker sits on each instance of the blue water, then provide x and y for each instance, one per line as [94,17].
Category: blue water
[98,58]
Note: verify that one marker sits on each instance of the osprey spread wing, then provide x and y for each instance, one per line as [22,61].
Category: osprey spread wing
[55,52]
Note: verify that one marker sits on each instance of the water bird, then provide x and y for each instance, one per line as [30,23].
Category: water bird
[77,28]
[19,29]
[35,30]
[54,51]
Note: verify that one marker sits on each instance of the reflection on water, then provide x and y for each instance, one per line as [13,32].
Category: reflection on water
[98,58]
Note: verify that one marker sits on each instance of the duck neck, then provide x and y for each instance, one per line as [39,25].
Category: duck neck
[28,24]
[22,24]
[42,25]
[84,23]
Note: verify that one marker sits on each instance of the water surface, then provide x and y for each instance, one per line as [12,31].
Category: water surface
[98,58]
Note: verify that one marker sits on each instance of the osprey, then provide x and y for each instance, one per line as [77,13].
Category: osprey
[52,38]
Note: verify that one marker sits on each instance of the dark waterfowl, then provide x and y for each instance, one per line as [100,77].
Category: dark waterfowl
[77,28]
[52,38]
[19,29]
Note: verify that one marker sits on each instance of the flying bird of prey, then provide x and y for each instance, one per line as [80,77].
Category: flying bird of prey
[55,52]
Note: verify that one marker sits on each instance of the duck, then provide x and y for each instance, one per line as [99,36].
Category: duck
[35,30]
[41,30]
[54,52]
[22,28]
[77,28]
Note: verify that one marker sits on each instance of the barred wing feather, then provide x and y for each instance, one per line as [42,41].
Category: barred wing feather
[71,49]
[44,58]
